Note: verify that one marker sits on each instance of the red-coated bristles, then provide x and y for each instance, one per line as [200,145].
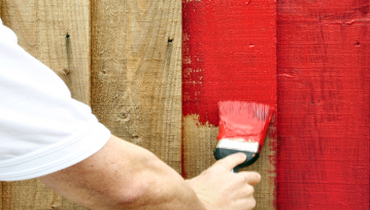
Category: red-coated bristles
[244,120]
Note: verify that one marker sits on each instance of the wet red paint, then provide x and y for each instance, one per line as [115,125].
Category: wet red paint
[323,87]
[228,54]
[244,121]
[323,104]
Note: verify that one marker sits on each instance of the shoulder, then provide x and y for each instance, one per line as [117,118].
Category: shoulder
[7,35]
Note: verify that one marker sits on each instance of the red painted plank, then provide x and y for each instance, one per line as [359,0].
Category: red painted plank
[323,102]
[228,54]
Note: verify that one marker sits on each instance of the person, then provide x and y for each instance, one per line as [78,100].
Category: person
[46,134]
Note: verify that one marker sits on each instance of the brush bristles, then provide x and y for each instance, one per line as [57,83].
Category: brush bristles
[238,109]
[240,145]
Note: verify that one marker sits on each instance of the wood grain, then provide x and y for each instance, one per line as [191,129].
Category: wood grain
[199,141]
[136,73]
[58,34]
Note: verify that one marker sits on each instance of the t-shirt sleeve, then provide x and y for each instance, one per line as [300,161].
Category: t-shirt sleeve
[42,129]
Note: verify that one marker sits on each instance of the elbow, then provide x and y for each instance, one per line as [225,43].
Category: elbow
[134,198]
[144,183]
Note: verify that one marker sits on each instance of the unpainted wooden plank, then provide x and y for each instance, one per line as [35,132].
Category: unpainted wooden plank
[136,73]
[228,54]
[58,34]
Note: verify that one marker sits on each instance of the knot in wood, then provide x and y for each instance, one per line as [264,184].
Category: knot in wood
[65,71]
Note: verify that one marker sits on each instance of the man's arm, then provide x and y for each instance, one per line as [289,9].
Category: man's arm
[124,176]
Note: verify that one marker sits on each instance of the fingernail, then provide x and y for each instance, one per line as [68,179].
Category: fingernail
[242,155]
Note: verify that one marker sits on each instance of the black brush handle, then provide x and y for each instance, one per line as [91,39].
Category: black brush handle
[252,157]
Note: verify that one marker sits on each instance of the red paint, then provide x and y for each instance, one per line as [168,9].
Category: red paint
[323,87]
[323,104]
[228,54]
[244,121]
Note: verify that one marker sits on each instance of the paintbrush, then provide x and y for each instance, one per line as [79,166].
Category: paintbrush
[242,128]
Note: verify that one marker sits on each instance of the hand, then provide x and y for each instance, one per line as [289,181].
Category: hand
[220,189]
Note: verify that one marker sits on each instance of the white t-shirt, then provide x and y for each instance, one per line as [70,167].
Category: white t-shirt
[42,129]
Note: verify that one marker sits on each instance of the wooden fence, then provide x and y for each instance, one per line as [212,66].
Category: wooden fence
[124,58]
[121,57]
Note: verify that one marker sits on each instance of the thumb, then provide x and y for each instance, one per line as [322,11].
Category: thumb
[231,161]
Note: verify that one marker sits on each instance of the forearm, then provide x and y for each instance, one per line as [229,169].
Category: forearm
[124,176]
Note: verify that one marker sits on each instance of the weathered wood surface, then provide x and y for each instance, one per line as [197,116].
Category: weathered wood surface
[228,54]
[58,34]
[136,73]
[324,92]
[136,52]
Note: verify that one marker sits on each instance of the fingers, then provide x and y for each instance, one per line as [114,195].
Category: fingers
[233,160]
[251,177]
[251,204]
[234,190]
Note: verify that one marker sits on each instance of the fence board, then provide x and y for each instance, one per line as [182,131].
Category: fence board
[58,34]
[228,54]
[136,73]
[323,91]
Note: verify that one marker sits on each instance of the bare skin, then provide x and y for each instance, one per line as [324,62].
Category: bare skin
[124,176]
[220,189]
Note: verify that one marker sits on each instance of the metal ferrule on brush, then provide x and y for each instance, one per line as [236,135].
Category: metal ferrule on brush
[228,146]
[238,144]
